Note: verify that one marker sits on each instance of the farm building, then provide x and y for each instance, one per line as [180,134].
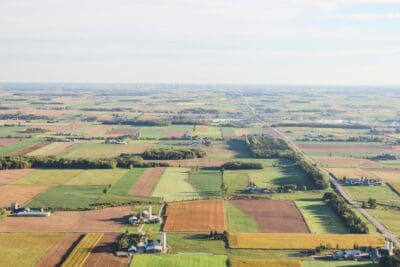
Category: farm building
[363,181]
[144,217]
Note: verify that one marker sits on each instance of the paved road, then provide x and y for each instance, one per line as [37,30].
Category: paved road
[382,229]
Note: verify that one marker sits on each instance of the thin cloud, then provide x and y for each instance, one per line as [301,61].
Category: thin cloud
[369,16]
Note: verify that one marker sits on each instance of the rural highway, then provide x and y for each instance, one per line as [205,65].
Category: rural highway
[380,227]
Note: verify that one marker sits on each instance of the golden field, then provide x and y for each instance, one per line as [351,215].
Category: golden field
[302,241]
[246,262]
[81,252]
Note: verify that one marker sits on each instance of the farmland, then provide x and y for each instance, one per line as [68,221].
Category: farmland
[302,241]
[83,158]
[195,216]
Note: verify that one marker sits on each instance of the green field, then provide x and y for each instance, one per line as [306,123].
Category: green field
[40,151]
[25,249]
[153,260]
[98,177]
[68,197]
[199,243]
[382,194]
[173,185]
[389,217]
[238,221]
[207,182]
[320,218]
[126,182]
[45,176]
[89,150]
[4,151]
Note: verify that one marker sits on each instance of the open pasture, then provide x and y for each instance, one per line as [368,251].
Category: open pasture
[273,216]
[97,177]
[101,220]
[302,241]
[320,218]
[67,197]
[248,262]
[147,181]
[344,161]
[181,189]
[57,148]
[90,150]
[382,194]
[195,242]
[19,193]
[388,217]
[207,182]
[153,260]
[9,176]
[238,221]
[126,182]
[195,216]
[26,249]
[48,176]
[14,148]
[82,251]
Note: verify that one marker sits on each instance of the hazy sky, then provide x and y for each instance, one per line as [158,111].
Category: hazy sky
[202,41]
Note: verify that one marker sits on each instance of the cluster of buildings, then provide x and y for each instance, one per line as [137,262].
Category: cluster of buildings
[363,181]
[144,217]
[253,189]
[26,212]
[149,246]
[358,255]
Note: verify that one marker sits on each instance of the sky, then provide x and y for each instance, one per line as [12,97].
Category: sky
[335,42]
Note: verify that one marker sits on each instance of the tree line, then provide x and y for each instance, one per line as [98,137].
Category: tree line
[348,216]
[240,165]
[262,146]
[322,125]
[173,153]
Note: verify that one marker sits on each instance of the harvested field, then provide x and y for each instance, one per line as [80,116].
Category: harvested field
[8,176]
[121,132]
[241,132]
[82,251]
[71,128]
[131,149]
[195,216]
[104,220]
[337,148]
[248,262]
[344,161]
[102,254]
[395,187]
[97,130]
[302,241]
[200,162]
[9,141]
[58,253]
[19,193]
[29,149]
[201,128]
[269,131]
[273,216]
[171,134]
[58,149]
[146,183]
[25,249]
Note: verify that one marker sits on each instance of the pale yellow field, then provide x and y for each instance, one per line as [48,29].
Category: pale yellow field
[395,186]
[82,251]
[302,241]
[384,174]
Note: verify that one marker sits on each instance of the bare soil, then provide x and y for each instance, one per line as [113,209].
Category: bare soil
[8,176]
[19,193]
[28,150]
[146,183]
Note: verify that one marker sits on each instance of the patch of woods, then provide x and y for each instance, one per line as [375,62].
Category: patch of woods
[332,138]
[262,146]
[348,216]
[171,153]
[50,162]
[240,165]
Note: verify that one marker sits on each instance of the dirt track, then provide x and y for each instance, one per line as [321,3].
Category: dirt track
[273,216]
[145,184]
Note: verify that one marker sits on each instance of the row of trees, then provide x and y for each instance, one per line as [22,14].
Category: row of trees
[349,217]
[262,146]
[173,153]
[123,161]
[322,125]
[136,122]
[240,165]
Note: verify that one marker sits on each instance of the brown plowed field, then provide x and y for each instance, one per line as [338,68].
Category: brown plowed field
[344,160]
[103,253]
[104,220]
[27,150]
[19,193]
[98,129]
[202,162]
[57,150]
[348,148]
[8,176]
[58,253]
[145,184]
[195,216]
[171,134]
[201,128]
[9,141]
[274,216]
